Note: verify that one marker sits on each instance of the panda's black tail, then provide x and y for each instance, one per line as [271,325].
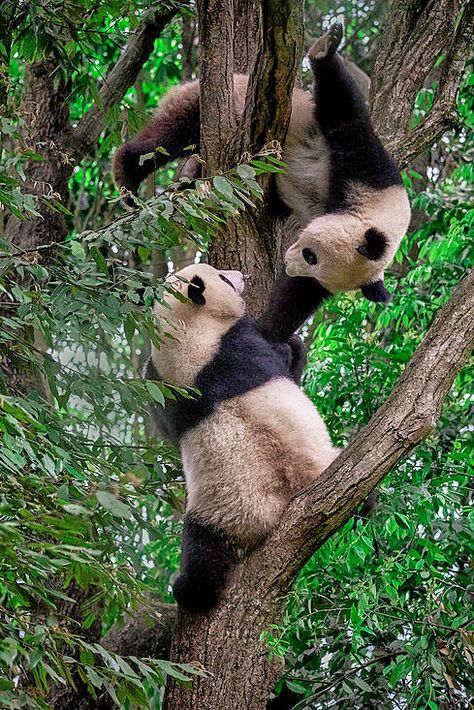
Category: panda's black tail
[172,133]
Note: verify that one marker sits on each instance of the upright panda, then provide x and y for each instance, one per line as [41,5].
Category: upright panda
[248,443]
[344,189]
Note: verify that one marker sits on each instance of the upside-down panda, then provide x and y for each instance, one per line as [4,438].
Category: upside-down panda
[249,441]
[344,189]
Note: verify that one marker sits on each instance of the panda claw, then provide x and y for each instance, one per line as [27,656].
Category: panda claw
[335,34]
[326,46]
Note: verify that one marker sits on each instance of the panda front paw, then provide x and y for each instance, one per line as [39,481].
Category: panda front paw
[326,46]
[195,595]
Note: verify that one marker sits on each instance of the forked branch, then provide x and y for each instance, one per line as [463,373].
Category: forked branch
[270,88]
[418,36]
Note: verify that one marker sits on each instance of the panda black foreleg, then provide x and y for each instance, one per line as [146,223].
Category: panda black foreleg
[293,354]
[298,359]
[292,300]
[208,560]
[338,99]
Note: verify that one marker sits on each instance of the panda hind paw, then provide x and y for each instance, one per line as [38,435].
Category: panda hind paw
[326,46]
[197,596]
[335,35]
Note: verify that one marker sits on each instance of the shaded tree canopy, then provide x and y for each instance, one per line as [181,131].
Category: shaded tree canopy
[335,609]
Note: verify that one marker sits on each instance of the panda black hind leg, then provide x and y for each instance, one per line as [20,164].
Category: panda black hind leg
[357,156]
[338,100]
[208,560]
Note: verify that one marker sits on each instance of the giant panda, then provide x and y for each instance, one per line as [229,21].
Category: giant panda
[343,188]
[366,211]
[248,442]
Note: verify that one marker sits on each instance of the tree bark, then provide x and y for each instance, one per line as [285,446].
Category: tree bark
[421,33]
[248,242]
[46,112]
[216,101]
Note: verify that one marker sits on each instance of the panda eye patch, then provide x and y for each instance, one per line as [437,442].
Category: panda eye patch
[224,278]
[309,256]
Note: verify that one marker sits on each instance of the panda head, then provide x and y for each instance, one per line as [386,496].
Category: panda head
[215,293]
[343,254]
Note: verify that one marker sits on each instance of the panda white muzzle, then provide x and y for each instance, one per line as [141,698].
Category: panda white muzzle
[236,279]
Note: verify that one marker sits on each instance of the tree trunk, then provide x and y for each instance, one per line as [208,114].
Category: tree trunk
[248,243]
[45,109]
[227,644]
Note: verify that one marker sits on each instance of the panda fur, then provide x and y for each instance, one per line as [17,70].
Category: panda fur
[248,443]
[344,190]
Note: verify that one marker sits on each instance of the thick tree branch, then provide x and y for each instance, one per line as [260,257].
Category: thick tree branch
[417,35]
[271,81]
[122,75]
[218,121]
[409,415]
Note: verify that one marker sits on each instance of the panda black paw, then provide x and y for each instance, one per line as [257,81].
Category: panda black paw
[127,200]
[326,46]
[335,34]
[195,595]
[298,357]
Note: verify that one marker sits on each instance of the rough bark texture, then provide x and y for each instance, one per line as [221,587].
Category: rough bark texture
[421,33]
[247,28]
[248,244]
[216,61]
[46,112]
[266,115]
[253,602]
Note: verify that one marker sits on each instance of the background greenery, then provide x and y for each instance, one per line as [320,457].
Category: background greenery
[90,499]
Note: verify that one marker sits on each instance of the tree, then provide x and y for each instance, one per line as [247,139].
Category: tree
[93,494]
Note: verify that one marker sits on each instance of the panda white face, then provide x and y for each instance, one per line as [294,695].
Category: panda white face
[203,305]
[334,249]
[217,293]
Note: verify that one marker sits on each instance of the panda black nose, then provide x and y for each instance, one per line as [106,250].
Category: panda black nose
[310,257]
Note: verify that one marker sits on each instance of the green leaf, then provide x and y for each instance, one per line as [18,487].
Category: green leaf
[156,393]
[113,505]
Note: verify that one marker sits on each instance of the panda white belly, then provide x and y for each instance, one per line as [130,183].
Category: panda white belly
[245,461]
[305,184]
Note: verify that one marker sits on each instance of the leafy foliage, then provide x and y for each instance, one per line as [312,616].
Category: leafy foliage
[90,499]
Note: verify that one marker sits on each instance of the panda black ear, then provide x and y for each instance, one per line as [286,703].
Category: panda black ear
[374,246]
[196,290]
[376,291]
